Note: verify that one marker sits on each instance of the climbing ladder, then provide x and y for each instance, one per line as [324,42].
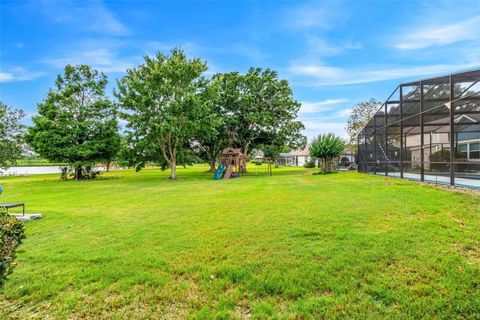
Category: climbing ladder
[228,172]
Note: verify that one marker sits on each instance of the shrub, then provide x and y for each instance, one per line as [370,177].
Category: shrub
[444,156]
[87,172]
[11,235]
[326,147]
[309,164]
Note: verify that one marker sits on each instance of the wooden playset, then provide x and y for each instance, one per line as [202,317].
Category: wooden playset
[231,163]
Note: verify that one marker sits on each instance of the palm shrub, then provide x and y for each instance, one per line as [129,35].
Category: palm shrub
[327,147]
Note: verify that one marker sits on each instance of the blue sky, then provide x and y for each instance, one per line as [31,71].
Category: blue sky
[334,53]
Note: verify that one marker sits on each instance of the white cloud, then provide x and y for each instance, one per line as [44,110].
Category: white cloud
[6,77]
[105,21]
[315,128]
[312,107]
[104,60]
[18,74]
[92,16]
[318,46]
[317,71]
[322,15]
[106,54]
[322,75]
[440,34]
[333,122]
[343,113]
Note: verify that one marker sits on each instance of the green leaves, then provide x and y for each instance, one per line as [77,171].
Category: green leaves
[169,108]
[261,110]
[160,100]
[361,113]
[12,232]
[76,124]
[255,110]
[11,134]
[326,147]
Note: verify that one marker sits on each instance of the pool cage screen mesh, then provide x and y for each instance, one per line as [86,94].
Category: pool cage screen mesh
[413,133]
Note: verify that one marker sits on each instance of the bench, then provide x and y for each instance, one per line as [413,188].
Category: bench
[6,206]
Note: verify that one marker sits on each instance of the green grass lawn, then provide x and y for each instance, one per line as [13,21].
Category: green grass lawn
[292,246]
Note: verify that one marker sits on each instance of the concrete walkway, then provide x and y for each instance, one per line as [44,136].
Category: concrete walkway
[460,182]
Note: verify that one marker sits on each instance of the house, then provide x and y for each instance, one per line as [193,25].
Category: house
[467,143]
[295,157]
[300,156]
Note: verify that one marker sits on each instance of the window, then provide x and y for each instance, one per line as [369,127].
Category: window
[418,140]
[475,151]
[463,148]
[470,150]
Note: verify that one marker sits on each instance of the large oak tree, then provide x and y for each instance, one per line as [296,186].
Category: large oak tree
[76,124]
[161,104]
[212,137]
[260,110]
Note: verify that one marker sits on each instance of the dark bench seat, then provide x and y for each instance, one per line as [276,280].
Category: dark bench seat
[6,206]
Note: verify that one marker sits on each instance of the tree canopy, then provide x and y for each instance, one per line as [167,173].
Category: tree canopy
[173,115]
[76,124]
[261,110]
[160,102]
[361,113]
[212,138]
[11,135]
[326,147]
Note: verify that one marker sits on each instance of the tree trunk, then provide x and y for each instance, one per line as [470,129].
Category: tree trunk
[78,173]
[64,174]
[173,168]
[243,168]
[173,172]
[212,165]
[108,167]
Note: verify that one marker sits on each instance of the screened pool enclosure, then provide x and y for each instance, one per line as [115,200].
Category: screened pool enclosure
[413,133]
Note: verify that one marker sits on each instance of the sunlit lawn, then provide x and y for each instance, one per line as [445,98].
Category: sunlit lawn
[348,245]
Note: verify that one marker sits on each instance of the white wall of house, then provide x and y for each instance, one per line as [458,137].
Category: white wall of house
[291,160]
[301,160]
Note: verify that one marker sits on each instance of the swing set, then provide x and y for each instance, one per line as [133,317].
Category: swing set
[232,162]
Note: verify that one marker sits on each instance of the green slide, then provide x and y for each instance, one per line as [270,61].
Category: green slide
[219,174]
